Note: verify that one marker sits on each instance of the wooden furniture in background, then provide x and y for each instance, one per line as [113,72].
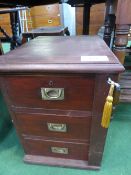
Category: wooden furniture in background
[46,15]
[109,23]
[125,82]
[45,31]
[97,14]
[123,22]
[56,98]
[14,39]
[39,16]
[5,24]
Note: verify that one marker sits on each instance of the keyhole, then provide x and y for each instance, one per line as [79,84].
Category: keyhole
[51,83]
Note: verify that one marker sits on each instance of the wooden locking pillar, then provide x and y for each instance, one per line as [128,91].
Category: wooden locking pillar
[123,21]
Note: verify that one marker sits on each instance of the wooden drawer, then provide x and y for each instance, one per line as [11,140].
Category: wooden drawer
[69,150]
[5,18]
[46,21]
[55,62]
[70,127]
[50,10]
[25,91]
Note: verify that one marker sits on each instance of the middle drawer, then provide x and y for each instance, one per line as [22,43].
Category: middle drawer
[53,126]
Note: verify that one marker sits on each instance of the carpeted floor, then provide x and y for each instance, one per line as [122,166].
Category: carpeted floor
[116,160]
[5,120]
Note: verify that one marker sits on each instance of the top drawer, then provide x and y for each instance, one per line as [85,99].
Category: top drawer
[51,92]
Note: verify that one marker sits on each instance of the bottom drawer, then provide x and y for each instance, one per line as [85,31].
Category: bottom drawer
[61,149]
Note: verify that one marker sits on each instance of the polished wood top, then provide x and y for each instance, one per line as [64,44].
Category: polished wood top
[79,54]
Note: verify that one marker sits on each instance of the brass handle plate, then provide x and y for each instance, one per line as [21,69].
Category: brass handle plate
[52,93]
[50,21]
[59,150]
[57,127]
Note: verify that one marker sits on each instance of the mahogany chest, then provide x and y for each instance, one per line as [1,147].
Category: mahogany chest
[55,88]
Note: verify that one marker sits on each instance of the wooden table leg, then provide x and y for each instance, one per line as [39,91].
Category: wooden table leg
[109,20]
[86,18]
[120,42]
[14,20]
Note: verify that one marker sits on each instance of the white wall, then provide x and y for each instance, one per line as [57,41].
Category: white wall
[69,18]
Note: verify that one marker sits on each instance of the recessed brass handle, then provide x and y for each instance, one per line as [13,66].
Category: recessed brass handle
[52,93]
[57,127]
[50,21]
[59,150]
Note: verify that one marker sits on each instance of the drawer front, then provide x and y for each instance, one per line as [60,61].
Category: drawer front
[76,92]
[53,126]
[59,149]
[46,21]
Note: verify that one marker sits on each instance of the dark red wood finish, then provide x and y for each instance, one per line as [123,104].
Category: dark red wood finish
[25,91]
[78,127]
[55,62]
[60,55]
[98,134]
[37,146]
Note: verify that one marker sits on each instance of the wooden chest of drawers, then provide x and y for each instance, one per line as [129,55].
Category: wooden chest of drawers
[55,88]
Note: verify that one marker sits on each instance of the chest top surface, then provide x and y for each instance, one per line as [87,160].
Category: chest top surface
[76,54]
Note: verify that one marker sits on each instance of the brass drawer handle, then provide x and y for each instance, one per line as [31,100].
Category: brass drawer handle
[56,127]
[52,93]
[59,150]
[50,21]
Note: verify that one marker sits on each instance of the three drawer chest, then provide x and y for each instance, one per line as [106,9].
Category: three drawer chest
[55,88]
